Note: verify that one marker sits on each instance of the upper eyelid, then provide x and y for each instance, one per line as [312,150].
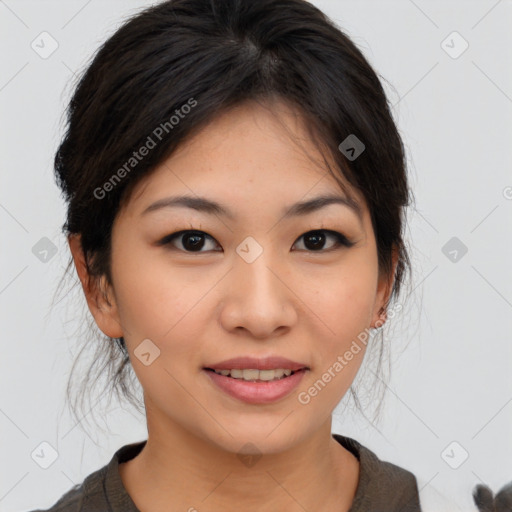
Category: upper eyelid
[192,230]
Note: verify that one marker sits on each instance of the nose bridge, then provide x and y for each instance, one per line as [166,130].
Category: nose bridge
[258,299]
[253,271]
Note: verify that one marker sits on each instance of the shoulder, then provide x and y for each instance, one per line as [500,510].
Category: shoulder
[382,484]
[101,490]
[85,497]
[82,497]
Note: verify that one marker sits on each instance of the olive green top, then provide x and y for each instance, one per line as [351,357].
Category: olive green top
[382,487]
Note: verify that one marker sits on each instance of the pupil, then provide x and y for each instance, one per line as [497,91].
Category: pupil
[319,237]
[198,243]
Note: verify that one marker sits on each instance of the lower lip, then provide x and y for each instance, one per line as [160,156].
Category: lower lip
[257,392]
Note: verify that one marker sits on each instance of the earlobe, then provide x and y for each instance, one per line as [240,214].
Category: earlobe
[98,293]
[379,318]
[384,290]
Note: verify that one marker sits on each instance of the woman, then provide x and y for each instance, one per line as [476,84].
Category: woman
[236,189]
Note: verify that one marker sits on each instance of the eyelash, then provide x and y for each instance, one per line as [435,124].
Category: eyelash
[341,240]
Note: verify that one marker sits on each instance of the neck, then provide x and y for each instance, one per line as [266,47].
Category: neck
[178,468]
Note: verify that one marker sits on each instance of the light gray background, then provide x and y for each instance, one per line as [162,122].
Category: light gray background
[451,383]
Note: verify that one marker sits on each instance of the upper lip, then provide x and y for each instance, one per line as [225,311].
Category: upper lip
[257,363]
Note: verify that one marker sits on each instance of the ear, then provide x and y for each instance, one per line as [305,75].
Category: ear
[384,289]
[99,294]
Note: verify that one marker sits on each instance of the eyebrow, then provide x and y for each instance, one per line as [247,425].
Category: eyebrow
[208,206]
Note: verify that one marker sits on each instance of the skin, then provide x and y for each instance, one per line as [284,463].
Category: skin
[200,308]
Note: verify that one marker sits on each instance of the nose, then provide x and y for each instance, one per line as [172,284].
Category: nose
[258,298]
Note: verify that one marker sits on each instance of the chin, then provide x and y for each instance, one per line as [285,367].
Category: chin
[257,441]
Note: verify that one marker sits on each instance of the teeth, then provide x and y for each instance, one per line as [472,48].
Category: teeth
[251,375]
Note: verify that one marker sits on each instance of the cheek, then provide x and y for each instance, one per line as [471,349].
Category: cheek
[146,296]
[162,303]
[160,307]
[344,304]
[343,298]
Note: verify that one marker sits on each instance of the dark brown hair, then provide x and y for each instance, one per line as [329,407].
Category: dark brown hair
[220,53]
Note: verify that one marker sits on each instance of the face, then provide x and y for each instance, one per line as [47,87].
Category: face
[251,283]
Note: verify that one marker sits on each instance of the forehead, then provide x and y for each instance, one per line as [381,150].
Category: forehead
[250,154]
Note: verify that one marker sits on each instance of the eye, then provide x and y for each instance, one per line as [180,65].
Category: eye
[315,240]
[194,240]
[191,240]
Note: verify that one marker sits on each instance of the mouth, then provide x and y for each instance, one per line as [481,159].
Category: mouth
[255,375]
